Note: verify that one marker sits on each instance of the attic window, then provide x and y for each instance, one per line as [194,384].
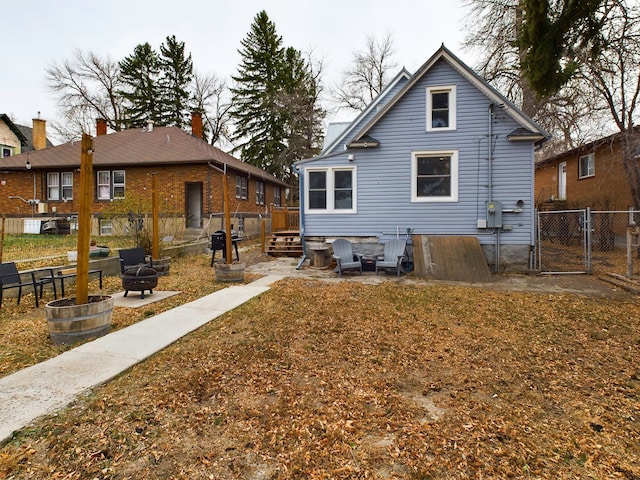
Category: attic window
[441,108]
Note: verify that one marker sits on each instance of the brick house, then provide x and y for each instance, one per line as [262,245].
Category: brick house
[591,175]
[45,182]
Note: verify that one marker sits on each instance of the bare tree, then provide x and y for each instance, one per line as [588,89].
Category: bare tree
[494,27]
[613,73]
[86,87]
[367,76]
[211,97]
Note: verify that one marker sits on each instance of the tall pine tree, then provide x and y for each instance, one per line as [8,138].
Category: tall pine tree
[259,123]
[140,73]
[274,99]
[177,73]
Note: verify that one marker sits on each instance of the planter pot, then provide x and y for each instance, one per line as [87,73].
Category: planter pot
[162,265]
[70,323]
[233,272]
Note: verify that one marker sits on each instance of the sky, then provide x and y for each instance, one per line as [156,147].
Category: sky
[41,32]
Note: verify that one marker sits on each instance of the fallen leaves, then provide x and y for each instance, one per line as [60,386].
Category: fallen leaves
[344,380]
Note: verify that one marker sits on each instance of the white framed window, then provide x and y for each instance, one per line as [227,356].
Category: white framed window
[434,176]
[277,196]
[110,184]
[106,226]
[7,151]
[441,108]
[67,185]
[241,187]
[331,190]
[53,186]
[260,193]
[60,185]
[587,166]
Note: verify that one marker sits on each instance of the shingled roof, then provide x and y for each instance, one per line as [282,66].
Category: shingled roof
[136,148]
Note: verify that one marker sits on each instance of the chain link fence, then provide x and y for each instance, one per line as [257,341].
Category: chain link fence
[585,241]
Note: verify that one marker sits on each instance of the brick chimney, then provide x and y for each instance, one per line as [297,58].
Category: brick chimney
[196,124]
[101,127]
[39,133]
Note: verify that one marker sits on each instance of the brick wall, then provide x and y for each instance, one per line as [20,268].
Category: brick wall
[171,182]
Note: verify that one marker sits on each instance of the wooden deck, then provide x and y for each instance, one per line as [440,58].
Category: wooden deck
[285,243]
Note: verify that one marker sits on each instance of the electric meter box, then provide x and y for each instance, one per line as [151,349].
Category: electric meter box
[494,215]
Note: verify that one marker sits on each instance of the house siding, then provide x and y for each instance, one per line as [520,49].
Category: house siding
[384,173]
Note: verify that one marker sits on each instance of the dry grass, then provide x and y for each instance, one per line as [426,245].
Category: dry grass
[24,336]
[344,380]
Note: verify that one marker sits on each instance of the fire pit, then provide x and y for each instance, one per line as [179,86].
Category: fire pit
[139,279]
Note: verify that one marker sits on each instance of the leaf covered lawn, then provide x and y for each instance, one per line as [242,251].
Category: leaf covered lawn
[345,380]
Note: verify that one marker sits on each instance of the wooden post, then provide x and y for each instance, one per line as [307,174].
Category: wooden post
[2,239]
[155,209]
[84,220]
[227,216]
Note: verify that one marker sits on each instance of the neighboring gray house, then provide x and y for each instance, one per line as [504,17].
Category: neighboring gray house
[439,153]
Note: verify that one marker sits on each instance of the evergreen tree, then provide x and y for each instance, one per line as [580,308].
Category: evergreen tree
[274,98]
[177,73]
[140,73]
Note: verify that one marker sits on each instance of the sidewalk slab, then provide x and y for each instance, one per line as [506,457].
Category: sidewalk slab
[48,386]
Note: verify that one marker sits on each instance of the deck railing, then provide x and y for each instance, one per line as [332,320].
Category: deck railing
[285,218]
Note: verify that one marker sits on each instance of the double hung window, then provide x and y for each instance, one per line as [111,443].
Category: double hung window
[259,193]
[587,166]
[331,190]
[241,187]
[60,185]
[111,184]
[434,176]
[441,108]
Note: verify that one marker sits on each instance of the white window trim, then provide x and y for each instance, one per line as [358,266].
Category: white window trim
[64,185]
[454,176]
[277,196]
[51,187]
[260,192]
[242,187]
[331,191]
[111,184]
[451,89]
[115,185]
[587,175]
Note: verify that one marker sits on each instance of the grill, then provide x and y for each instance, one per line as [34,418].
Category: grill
[139,279]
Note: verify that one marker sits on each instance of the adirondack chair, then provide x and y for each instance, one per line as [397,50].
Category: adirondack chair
[345,259]
[393,255]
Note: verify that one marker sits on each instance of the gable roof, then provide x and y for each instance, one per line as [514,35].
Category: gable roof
[137,148]
[338,139]
[586,148]
[28,133]
[532,129]
[14,128]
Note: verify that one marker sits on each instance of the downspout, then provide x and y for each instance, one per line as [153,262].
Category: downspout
[496,248]
[301,209]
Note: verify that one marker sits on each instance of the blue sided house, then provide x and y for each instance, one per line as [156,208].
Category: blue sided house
[437,156]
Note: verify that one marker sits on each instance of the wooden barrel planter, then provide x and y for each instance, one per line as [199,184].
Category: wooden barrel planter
[230,272]
[70,323]
[162,265]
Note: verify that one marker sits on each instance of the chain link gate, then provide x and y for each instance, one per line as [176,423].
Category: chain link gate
[585,241]
[562,243]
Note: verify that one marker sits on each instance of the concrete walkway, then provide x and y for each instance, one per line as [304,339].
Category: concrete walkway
[51,385]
